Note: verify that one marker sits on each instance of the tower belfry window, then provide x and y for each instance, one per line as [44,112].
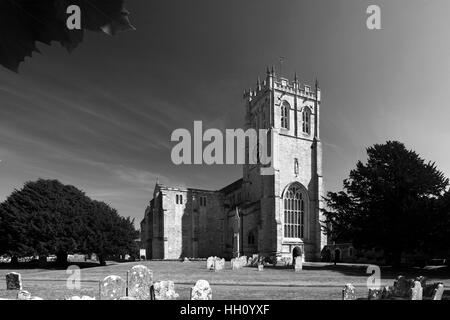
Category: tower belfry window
[285,115]
[306,120]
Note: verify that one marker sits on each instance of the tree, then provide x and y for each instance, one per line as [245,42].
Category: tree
[46,217]
[108,234]
[392,202]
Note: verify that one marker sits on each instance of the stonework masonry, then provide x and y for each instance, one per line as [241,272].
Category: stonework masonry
[280,213]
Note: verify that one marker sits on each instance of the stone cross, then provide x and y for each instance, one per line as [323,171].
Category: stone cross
[201,291]
[140,282]
[348,293]
[165,290]
[13,281]
[112,288]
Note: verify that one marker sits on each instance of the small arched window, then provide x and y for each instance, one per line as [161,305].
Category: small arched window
[285,115]
[306,120]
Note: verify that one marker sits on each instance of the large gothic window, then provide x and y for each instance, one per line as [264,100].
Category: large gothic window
[294,212]
[285,115]
[307,120]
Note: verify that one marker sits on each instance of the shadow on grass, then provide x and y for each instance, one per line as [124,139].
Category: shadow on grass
[47,266]
[344,269]
[386,271]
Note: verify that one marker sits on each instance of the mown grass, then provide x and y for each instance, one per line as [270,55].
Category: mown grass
[316,281]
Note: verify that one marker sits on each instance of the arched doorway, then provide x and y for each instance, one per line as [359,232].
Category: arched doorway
[337,255]
[297,252]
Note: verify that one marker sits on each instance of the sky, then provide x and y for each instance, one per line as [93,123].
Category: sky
[101,117]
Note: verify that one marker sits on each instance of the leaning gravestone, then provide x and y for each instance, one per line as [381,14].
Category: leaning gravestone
[201,291]
[438,292]
[112,288]
[165,290]
[13,281]
[254,260]
[348,293]
[141,280]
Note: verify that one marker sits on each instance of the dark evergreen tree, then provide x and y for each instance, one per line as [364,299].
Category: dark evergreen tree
[46,217]
[391,202]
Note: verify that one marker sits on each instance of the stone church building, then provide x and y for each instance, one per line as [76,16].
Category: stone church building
[279,213]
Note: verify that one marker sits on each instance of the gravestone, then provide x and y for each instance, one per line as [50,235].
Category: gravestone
[379,294]
[219,264]
[260,267]
[165,290]
[402,287]
[201,291]
[238,263]
[416,291]
[210,263]
[254,260]
[23,295]
[112,288]
[431,291]
[234,264]
[13,281]
[423,281]
[243,260]
[438,292]
[348,293]
[374,294]
[298,263]
[140,282]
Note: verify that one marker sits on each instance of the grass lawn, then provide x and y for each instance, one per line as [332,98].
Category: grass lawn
[316,281]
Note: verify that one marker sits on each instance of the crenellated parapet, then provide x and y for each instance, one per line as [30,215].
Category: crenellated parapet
[272,82]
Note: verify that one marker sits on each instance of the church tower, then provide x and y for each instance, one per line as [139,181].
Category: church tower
[287,193]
